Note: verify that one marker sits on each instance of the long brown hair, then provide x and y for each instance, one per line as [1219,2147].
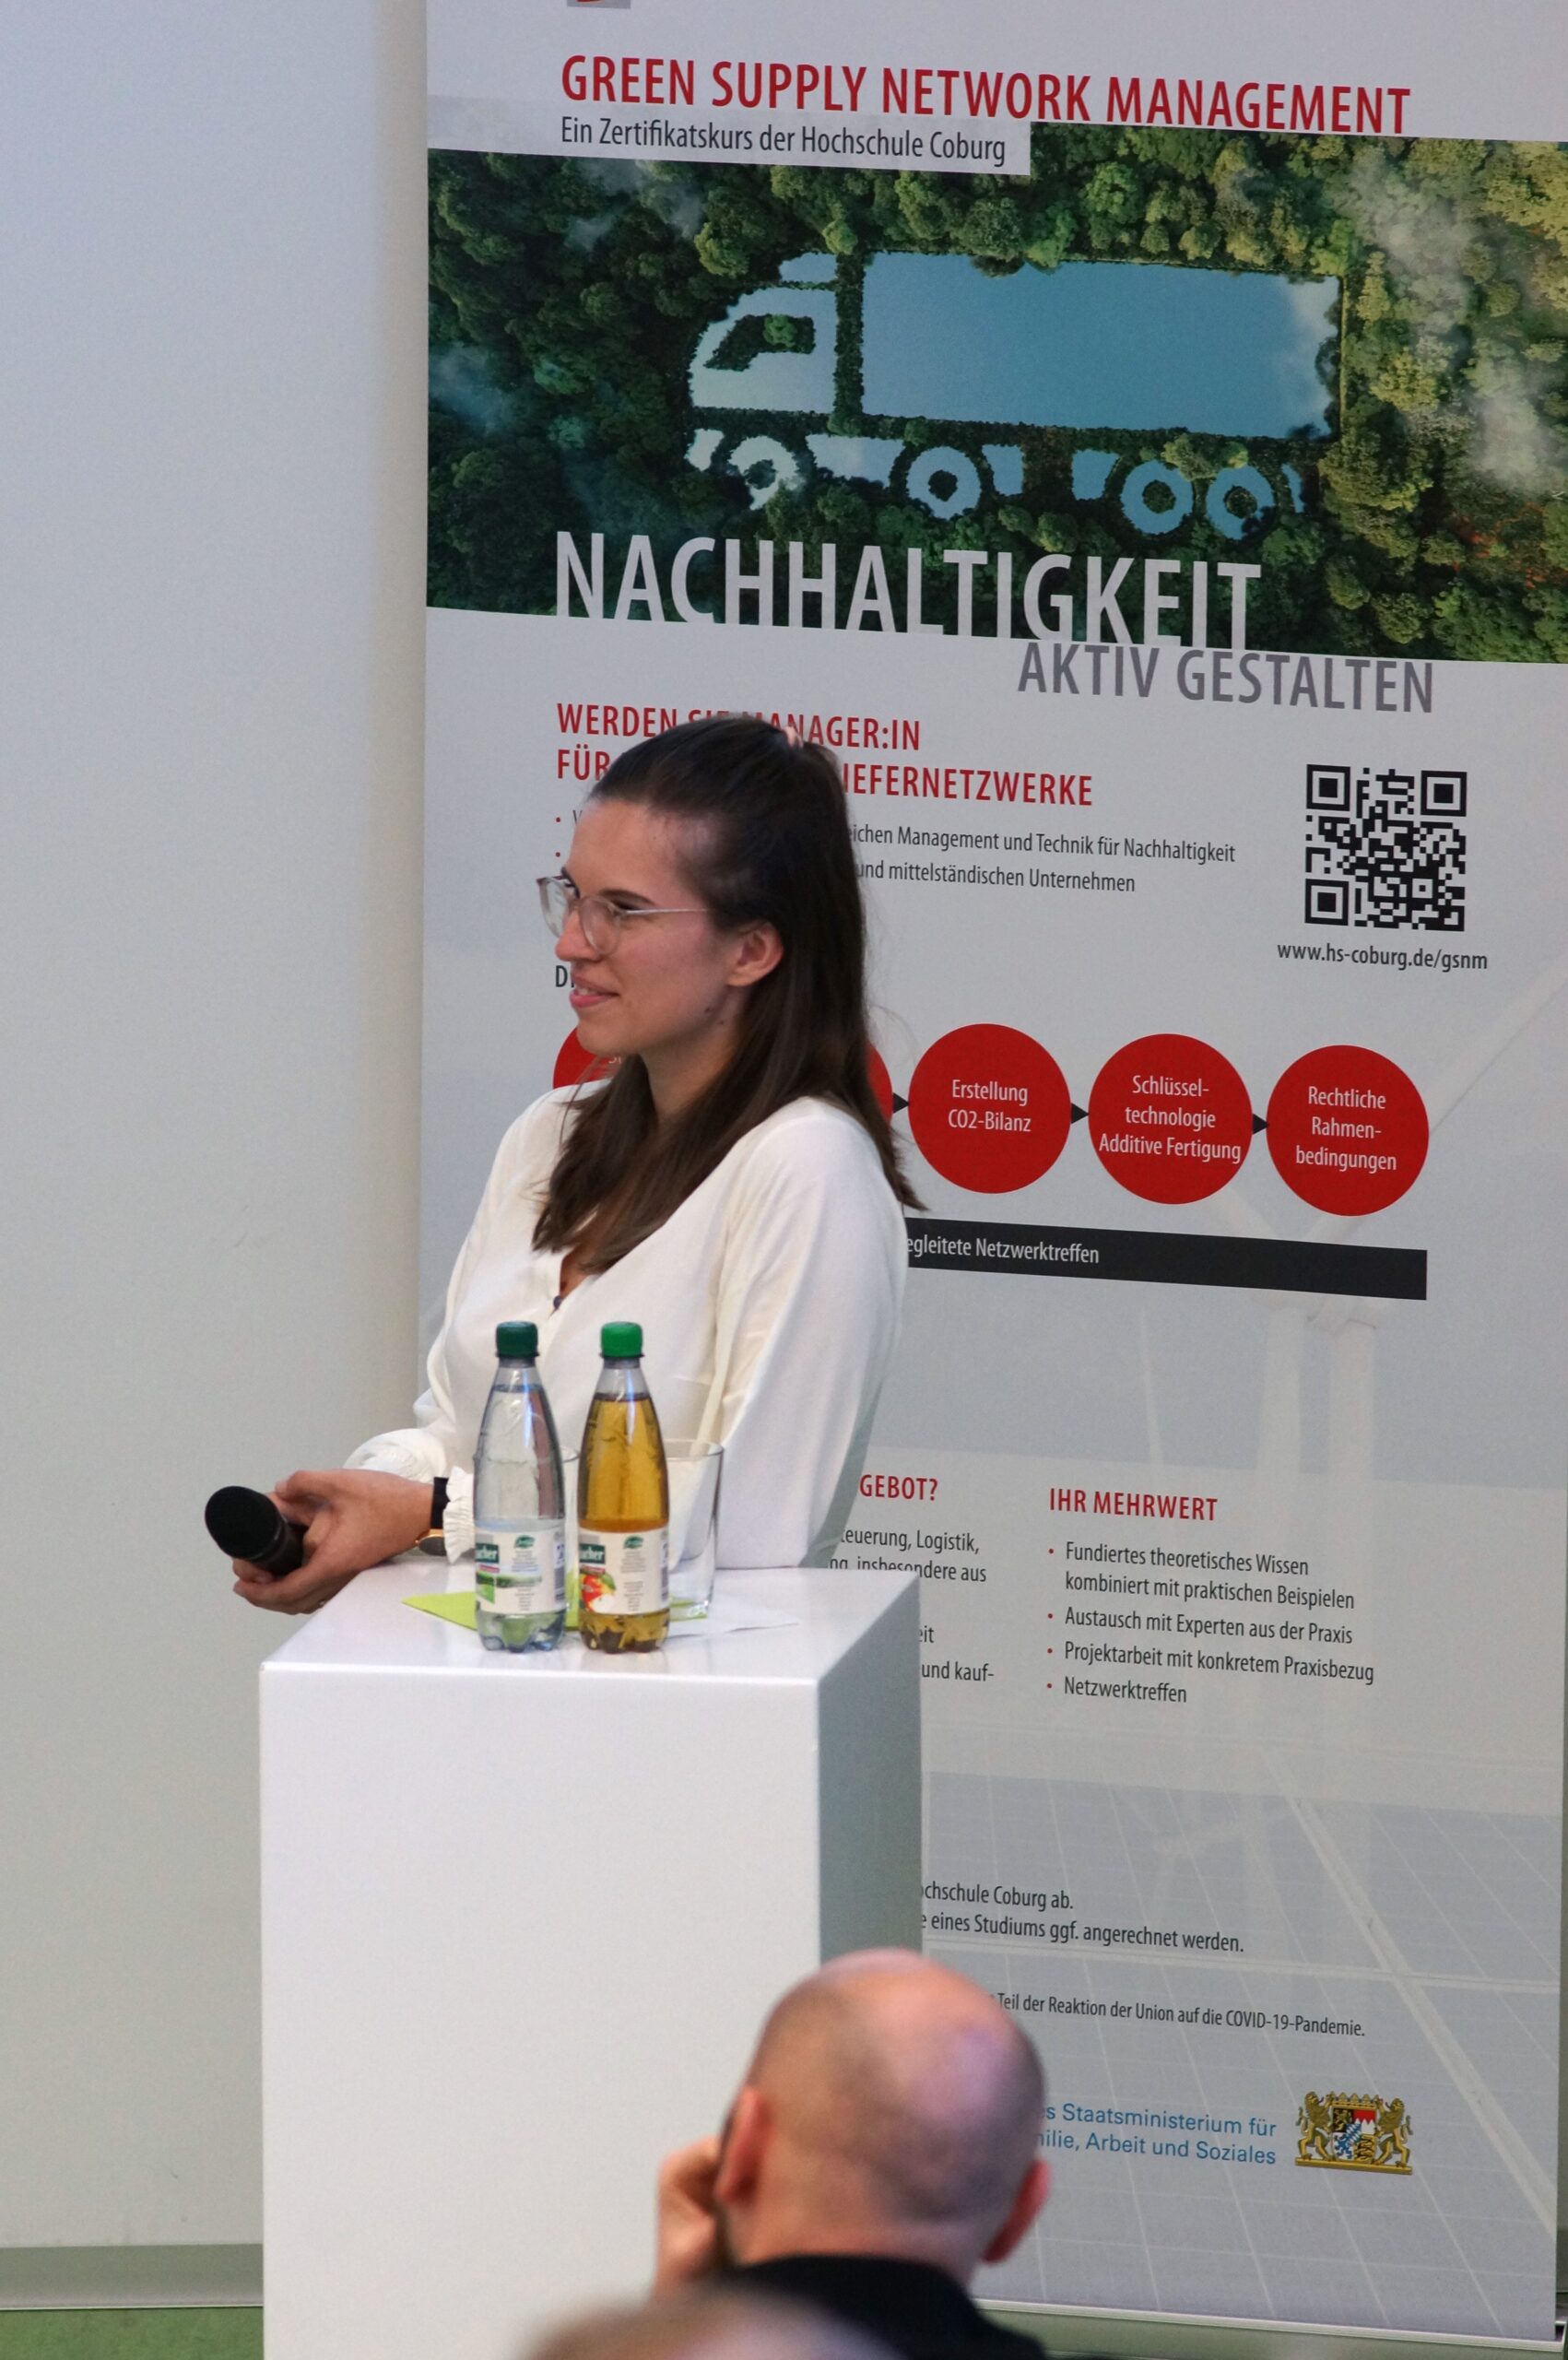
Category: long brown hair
[773,844]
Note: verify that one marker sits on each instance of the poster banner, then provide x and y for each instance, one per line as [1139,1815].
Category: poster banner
[1137,441]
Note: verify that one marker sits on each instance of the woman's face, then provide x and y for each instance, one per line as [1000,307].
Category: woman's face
[671,990]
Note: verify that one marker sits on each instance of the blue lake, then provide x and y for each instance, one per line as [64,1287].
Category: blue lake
[1097,344]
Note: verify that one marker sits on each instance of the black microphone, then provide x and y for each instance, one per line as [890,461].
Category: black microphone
[248,1524]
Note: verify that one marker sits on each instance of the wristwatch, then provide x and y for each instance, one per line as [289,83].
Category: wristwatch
[433,1542]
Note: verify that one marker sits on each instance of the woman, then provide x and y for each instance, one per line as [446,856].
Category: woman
[733,1185]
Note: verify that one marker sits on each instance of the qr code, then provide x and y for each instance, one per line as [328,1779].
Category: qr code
[1384,847]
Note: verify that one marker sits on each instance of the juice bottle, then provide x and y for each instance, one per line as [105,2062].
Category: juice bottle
[623,1504]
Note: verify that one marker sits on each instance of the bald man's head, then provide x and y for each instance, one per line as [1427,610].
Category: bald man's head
[900,2098]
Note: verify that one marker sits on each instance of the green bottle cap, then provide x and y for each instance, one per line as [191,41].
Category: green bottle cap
[517,1339]
[621,1341]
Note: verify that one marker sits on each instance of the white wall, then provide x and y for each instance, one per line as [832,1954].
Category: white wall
[211,436]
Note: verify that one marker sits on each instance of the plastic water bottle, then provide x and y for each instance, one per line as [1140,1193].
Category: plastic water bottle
[623,1505]
[519,1503]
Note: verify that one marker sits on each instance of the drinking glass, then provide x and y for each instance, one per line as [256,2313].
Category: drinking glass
[695,1468]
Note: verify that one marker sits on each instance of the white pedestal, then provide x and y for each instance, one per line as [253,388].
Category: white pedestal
[522,1916]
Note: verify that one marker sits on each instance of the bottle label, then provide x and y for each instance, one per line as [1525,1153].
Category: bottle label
[625,1572]
[521,1568]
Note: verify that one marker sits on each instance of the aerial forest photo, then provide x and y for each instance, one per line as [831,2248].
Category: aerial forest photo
[1341,361]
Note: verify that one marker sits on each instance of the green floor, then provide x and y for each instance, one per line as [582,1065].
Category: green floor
[130,2335]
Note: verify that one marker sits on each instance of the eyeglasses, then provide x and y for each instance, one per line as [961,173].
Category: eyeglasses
[601,920]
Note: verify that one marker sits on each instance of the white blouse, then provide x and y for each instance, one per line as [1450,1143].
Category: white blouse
[769,1304]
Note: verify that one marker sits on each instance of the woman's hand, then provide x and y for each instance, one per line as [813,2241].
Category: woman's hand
[351,1518]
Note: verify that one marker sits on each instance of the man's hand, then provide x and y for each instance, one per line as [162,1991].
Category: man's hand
[691,2244]
[352,1518]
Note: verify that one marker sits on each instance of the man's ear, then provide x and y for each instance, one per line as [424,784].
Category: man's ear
[746,2140]
[1033,2190]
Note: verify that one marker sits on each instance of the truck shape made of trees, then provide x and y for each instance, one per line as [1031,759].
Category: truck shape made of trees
[929,341]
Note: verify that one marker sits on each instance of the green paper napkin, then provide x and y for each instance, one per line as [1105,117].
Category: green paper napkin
[452,1605]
